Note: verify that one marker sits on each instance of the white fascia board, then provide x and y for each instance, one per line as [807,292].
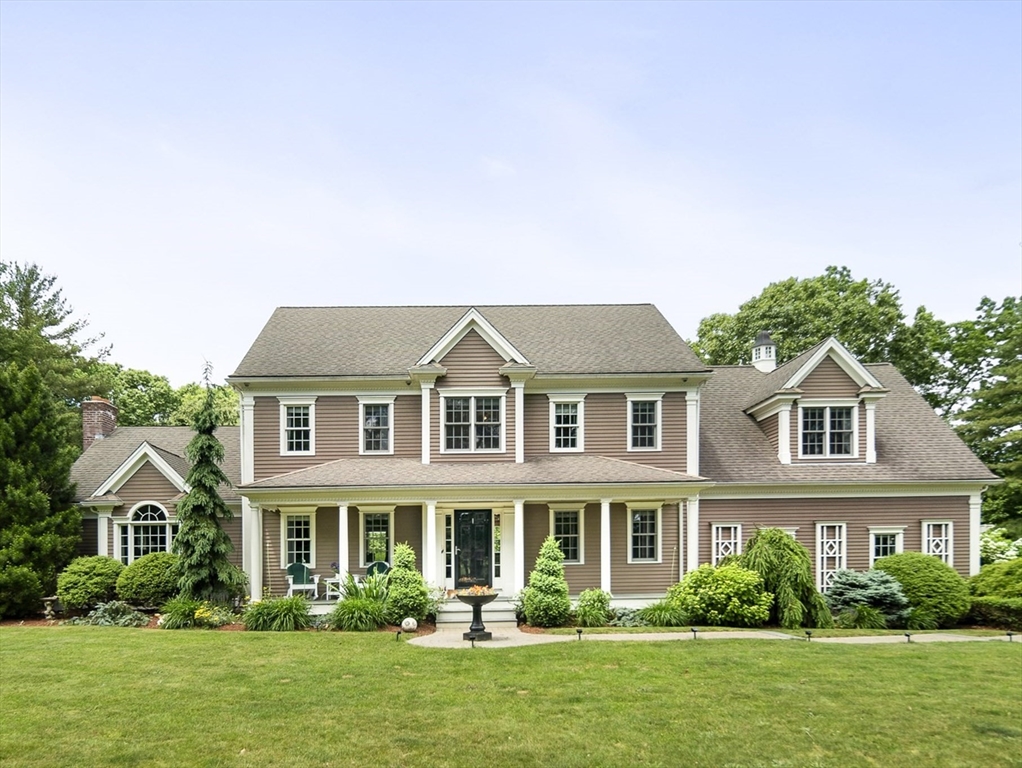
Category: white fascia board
[140,456]
[772,406]
[842,490]
[473,319]
[845,359]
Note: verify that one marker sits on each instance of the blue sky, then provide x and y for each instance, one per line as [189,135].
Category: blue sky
[183,168]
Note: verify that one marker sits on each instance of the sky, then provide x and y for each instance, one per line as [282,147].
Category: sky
[184,168]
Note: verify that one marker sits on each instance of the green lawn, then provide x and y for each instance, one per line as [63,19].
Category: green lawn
[92,696]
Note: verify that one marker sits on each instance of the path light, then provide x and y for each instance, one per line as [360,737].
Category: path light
[908,636]
[1010,635]
[809,635]
[694,633]
[579,631]
[472,637]
[397,636]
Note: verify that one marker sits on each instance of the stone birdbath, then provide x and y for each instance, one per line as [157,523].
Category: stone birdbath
[477,597]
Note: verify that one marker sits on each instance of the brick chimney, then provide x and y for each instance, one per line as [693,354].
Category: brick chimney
[99,419]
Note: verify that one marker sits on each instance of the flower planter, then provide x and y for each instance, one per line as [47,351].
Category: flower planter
[477,631]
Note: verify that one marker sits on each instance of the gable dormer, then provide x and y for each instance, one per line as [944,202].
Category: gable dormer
[823,410]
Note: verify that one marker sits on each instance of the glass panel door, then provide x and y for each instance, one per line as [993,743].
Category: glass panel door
[474,547]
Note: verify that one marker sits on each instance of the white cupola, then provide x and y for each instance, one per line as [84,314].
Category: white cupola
[764,353]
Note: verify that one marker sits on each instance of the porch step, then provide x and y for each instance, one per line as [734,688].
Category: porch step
[453,611]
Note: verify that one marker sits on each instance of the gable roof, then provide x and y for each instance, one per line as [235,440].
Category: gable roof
[104,457]
[158,457]
[387,341]
[913,443]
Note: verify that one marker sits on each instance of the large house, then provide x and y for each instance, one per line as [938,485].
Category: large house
[473,433]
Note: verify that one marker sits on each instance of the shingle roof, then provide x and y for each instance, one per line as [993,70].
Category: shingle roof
[381,472]
[104,456]
[913,443]
[772,382]
[387,341]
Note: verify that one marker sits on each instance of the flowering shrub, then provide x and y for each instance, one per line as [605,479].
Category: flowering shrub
[729,596]
[185,613]
[995,546]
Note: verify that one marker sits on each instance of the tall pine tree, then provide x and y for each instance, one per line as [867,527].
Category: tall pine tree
[201,543]
[39,524]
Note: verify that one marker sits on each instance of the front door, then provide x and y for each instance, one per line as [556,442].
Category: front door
[473,542]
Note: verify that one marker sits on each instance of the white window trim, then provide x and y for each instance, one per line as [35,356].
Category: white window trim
[657,397]
[898,531]
[791,530]
[368,510]
[578,400]
[581,510]
[363,401]
[648,507]
[127,522]
[311,514]
[297,401]
[843,562]
[713,540]
[473,393]
[828,404]
[950,539]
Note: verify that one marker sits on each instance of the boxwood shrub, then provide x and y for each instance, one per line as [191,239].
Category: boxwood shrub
[931,586]
[88,581]
[407,593]
[150,581]
[545,600]
[998,580]
[728,596]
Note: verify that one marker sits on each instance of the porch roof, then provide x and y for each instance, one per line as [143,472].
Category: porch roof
[389,472]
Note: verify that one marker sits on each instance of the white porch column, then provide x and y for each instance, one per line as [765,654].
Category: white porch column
[871,434]
[255,574]
[784,436]
[605,545]
[975,506]
[427,386]
[692,432]
[519,388]
[247,533]
[681,540]
[692,559]
[103,532]
[429,549]
[519,571]
[343,556]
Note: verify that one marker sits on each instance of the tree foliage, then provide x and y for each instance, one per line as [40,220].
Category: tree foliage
[145,399]
[545,600]
[39,524]
[201,543]
[191,398]
[865,315]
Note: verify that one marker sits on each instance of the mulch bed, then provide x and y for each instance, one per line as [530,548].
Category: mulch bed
[424,628]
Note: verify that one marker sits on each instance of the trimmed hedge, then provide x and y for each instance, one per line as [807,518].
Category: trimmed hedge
[931,586]
[545,600]
[998,580]
[150,581]
[407,593]
[727,596]
[1003,612]
[21,593]
[89,581]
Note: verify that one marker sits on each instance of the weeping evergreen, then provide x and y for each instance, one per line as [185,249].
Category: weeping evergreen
[787,571]
[201,543]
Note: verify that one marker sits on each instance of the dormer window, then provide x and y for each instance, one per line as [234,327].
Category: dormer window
[828,431]
[473,423]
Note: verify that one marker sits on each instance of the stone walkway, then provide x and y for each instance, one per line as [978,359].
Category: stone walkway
[507,636]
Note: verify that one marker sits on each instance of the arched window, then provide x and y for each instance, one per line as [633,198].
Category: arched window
[148,530]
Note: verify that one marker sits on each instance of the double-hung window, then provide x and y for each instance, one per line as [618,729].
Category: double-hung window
[727,540]
[298,538]
[827,431]
[376,415]
[938,539]
[831,549]
[644,421]
[567,423]
[567,527]
[643,535]
[377,539]
[473,422]
[297,426]
[884,541]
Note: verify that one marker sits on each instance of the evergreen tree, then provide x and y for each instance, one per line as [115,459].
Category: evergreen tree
[201,543]
[39,524]
[545,601]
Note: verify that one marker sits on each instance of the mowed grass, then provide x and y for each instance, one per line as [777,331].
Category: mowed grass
[92,696]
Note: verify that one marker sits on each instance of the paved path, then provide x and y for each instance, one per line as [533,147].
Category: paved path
[507,636]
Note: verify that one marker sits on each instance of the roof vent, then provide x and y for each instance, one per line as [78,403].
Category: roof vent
[764,353]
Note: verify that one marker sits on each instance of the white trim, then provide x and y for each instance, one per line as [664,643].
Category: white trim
[840,557]
[473,319]
[925,539]
[840,490]
[128,557]
[826,405]
[580,510]
[284,515]
[693,404]
[791,530]
[472,394]
[430,551]
[845,359]
[898,531]
[247,438]
[605,580]
[692,555]
[427,387]
[366,509]
[784,435]
[579,401]
[145,452]
[343,547]
[871,431]
[363,401]
[645,397]
[255,576]
[297,402]
[519,390]
[975,507]
[519,567]
[715,529]
[103,534]
[658,508]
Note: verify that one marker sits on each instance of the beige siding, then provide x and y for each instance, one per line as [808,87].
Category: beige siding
[408,426]
[580,576]
[232,528]
[472,362]
[336,435]
[606,429]
[147,484]
[537,528]
[857,514]
[275,577]
[643,578]
[828,379]
[769,426]
[408,530]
